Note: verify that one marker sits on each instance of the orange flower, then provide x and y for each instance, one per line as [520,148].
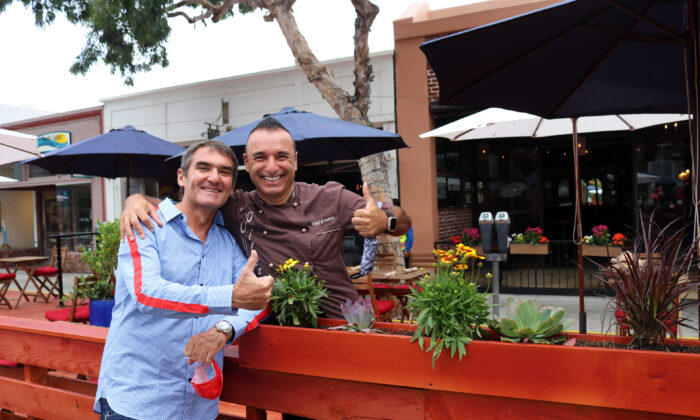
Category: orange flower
[544,240]
[618,239]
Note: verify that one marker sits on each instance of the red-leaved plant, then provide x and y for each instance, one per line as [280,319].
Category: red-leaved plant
[649,287]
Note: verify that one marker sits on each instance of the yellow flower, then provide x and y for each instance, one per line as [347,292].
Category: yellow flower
[306,266]
[489,276]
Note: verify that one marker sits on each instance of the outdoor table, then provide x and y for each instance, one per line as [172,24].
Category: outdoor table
[23,263]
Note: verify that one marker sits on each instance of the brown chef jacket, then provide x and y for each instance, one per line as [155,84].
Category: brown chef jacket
[309,227]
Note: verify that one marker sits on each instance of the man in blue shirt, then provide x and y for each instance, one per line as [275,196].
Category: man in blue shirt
[183,293]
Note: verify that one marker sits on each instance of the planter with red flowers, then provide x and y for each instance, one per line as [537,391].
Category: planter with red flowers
[471,238]
[602,244]
[532,241]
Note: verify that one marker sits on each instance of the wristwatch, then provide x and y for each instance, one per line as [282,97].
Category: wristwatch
[390,222]
[226,328]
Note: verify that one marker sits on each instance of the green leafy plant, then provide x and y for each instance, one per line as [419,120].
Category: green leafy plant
[649,291]
[102,261]
[296,295]
[360,316]
[528,323]
[449,307]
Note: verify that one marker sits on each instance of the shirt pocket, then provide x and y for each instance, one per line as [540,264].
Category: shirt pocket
[325,240]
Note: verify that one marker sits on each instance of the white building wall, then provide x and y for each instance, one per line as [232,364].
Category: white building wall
[17,210]
[178,114]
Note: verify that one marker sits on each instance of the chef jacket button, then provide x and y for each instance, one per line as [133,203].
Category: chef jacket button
[241,209]
[264,232]
[295,204]
[271,265]
[303,230]
[260,211]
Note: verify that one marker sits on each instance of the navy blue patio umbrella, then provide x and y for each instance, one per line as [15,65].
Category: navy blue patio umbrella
[578,58]
[320,138]
[124,152]
[575,58]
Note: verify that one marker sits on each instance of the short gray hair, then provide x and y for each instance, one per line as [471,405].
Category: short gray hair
[214,145]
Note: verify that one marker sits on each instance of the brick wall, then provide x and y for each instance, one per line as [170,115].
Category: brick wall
[75,264]
[433,87]
[18,252]
[452,221]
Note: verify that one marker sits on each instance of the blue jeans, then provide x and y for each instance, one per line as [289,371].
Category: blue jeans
[106,412]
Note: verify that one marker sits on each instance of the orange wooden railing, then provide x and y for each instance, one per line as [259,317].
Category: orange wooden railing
[56,364]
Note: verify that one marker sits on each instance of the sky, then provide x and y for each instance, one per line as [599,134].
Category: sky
[35,61]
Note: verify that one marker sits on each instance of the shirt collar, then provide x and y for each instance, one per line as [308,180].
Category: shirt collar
[167,207]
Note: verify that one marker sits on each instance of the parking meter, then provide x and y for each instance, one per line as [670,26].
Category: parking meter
[486,229]
[502,231]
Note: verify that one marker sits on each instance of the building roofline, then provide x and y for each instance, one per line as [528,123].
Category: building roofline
[95,111]
[237,77]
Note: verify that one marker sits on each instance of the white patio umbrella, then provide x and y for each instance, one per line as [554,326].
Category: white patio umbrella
[478,127]
[500,123]
[15,147]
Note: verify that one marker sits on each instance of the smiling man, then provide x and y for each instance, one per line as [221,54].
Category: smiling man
[285,219]
[185,288]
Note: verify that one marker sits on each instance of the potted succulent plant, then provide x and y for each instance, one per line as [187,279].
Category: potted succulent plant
[102,261]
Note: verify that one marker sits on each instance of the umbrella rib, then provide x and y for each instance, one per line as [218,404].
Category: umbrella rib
[592,71]
[645,19]
[636,37]
[534,133]
[521,57]
[625,121]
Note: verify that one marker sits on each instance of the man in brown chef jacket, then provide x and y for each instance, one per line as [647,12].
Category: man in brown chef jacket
[284,219]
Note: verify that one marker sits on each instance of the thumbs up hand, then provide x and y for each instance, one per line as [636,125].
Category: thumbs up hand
[250,291]
[371,220]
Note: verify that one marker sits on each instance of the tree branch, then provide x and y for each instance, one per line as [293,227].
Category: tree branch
[366,12]
[316,73]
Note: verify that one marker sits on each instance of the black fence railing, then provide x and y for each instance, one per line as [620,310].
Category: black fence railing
[72,240]
[553,273]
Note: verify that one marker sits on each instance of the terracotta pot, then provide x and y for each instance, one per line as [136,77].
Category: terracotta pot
[540,249]
[601,251]
[527,379]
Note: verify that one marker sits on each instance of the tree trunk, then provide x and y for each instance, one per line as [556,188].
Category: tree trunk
[348,107]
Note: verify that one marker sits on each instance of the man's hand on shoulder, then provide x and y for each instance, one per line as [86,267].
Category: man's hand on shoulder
[138,209]
[371,220]
[203,347]
[250,291]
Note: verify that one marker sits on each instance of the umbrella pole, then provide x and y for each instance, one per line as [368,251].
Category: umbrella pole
[128,175]
[578,236]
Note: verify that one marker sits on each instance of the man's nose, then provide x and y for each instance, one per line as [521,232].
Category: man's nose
[214,176]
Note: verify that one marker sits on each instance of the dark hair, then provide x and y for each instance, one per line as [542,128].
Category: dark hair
[269,123]
[214,145]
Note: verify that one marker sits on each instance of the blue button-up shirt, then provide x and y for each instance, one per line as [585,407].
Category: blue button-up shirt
[170,286]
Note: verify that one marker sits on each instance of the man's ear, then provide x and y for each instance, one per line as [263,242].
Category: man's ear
[245,161]
[181,177]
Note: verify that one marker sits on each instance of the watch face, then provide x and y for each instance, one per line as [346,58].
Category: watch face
[392,224]
[224,326]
